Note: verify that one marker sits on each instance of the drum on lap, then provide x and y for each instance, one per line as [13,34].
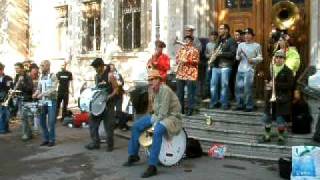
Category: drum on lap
[172,149]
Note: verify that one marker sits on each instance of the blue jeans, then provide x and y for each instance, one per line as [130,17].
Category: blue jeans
[48,134]
[4,119]
[220,80]
[281,123]
[244,82]
[191,86]
[138,127]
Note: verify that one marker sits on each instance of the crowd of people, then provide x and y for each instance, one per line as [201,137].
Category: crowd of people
[225,67]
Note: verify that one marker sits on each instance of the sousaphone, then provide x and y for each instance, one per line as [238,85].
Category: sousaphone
[285,14]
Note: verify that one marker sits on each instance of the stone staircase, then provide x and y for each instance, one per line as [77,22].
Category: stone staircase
[239,132]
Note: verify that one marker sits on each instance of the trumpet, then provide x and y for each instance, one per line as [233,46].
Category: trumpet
[273,95]
[180,42]
[214,54]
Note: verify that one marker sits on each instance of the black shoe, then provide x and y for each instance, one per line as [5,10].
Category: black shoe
[131,159]
[109,149]
[227,107]
[238,108]
[150,171]
[189,113]
[248,110]
[50,144]
[45,143]
[92,146]
[214,106]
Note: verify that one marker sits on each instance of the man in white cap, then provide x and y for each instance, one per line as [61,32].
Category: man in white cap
[188,31]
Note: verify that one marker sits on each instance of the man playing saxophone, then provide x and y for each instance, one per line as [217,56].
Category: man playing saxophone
[222,67]
[281,85]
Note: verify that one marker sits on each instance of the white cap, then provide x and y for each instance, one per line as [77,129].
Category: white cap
[189,27]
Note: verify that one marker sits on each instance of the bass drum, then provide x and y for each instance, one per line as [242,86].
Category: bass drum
[172,150]
[93,101]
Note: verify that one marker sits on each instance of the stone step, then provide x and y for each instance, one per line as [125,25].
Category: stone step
[237,131]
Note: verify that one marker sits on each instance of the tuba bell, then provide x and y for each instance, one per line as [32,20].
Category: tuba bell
[285,14]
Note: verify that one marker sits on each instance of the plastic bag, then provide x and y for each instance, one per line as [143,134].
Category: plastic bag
[305,163]
[217,151]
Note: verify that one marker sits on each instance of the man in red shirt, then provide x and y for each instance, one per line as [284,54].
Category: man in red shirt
[159,61]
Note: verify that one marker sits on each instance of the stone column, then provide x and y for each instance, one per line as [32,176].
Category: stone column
[315,34]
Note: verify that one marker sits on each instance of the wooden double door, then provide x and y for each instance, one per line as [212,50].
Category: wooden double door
[257,14]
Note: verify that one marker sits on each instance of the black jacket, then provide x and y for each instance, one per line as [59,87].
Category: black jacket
[26,86]
[283,86]
[5,85]
[227,56]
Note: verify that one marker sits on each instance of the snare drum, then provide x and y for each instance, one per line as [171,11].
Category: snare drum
[93,101]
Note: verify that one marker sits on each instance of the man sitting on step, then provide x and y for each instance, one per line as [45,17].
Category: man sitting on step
[165,120]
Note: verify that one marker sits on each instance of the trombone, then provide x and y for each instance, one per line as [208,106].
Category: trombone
[273,95]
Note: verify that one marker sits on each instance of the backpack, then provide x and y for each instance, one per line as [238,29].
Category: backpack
[193,149]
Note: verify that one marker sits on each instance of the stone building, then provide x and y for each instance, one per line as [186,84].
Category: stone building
[123,31]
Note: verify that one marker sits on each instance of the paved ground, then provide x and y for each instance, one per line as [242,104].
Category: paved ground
[70,161]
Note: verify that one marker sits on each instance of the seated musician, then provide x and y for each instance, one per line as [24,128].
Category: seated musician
[165,120]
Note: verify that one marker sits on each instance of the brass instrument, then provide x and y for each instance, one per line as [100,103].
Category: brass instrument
[180,42]
[145,138]
[12,92]
[285,14]
[215,54]
[273,95]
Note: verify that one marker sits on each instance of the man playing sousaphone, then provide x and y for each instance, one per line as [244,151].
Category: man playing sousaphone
[166,120]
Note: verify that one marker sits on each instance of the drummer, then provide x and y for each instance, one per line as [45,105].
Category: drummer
[23,83]
[165,120]
[106,82]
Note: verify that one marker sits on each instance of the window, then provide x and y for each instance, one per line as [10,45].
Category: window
[241,5]
[130,24]
[61,28]
[91,27]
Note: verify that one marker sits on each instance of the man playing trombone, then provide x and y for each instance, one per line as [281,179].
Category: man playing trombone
[280,101]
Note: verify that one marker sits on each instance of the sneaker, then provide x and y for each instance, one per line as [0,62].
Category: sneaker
[281,140]
[131,160]
[265,138]
[92,146]
[150,171]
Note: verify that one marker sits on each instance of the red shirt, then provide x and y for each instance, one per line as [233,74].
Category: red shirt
[161,63]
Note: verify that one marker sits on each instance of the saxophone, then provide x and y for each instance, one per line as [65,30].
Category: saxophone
[11,92]
[215,54]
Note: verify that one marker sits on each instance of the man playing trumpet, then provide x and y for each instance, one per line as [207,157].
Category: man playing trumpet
[280,101]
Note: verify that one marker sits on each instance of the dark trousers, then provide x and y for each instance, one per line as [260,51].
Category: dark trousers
[65,98]
[107,117]
[191,86]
